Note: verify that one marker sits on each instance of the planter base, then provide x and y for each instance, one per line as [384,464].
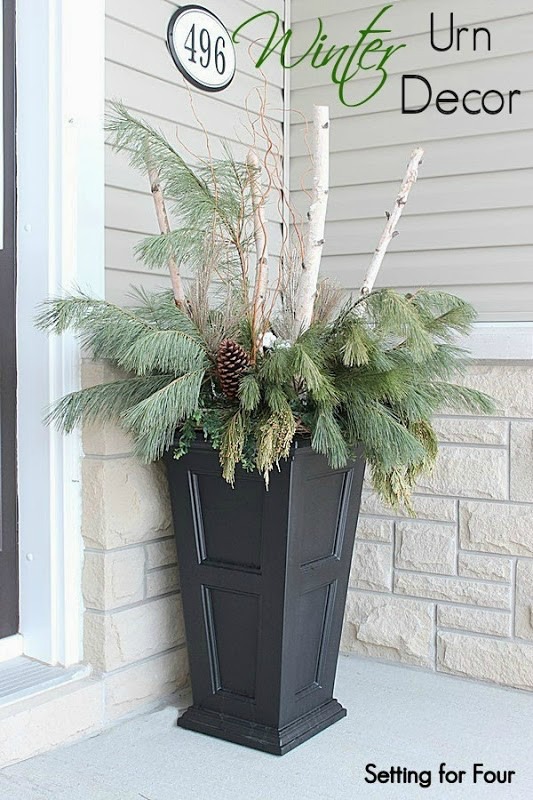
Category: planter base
[260,737]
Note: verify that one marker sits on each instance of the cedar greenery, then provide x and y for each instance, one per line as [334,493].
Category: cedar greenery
[372,371]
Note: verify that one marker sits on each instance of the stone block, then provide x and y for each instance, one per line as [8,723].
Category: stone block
[161,554]
[372,567]
[103,439]
[106,439]
[426,547]
[393,628]
[505,663]
[471,431]
[455,590]
[431,508]
[375,529]
[497,528]
[468,472]
[488,568]
[96,372]
[510,385]
[113,579]
[492,623]
[162,581]
[124,502]
[522,461]
[136,686]
[123,637]
[524,600]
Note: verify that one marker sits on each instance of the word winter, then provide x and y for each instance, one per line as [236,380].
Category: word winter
[368,56]
[418,93]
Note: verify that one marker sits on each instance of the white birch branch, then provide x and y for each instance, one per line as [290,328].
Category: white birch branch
[164,227]
[387,236]
[260,236]
[307,287]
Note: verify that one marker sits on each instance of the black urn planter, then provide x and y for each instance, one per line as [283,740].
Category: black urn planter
[264,576]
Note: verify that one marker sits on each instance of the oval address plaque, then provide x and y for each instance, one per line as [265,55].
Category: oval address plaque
[201,48]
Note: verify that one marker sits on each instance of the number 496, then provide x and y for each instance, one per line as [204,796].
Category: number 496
[204,44]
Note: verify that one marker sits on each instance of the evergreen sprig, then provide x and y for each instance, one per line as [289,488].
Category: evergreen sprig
[211,200]
[375,376]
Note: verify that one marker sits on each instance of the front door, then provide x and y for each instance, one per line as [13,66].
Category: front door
[8,488]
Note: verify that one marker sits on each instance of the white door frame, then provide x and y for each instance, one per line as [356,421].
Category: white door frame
[60,151]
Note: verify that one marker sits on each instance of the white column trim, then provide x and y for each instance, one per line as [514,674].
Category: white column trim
[11,647]
[60,91]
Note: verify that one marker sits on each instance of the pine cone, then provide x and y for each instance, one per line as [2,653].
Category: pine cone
[232,363]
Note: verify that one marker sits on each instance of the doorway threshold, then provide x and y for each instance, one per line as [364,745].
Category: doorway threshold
[22,677]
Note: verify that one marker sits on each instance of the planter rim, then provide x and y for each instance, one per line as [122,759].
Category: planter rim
[300,442]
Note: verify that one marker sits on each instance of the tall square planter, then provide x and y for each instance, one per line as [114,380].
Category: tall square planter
[264,576]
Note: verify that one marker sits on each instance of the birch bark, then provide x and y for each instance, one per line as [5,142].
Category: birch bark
[164,227]
[307,286]
[393,218]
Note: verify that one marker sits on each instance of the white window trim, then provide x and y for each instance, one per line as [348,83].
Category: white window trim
[501,341]
[60,94]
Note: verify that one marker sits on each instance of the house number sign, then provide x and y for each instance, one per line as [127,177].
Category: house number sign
[201,48]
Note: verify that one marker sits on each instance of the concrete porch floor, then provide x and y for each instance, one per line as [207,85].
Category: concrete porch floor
[397,717]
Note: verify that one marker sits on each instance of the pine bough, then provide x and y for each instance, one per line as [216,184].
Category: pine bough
[369,370]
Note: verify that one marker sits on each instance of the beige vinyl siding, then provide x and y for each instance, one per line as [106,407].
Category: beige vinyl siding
[141,73]
[468,227]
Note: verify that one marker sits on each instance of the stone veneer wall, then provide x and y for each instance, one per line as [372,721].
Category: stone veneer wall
[133,627]
[452,590]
